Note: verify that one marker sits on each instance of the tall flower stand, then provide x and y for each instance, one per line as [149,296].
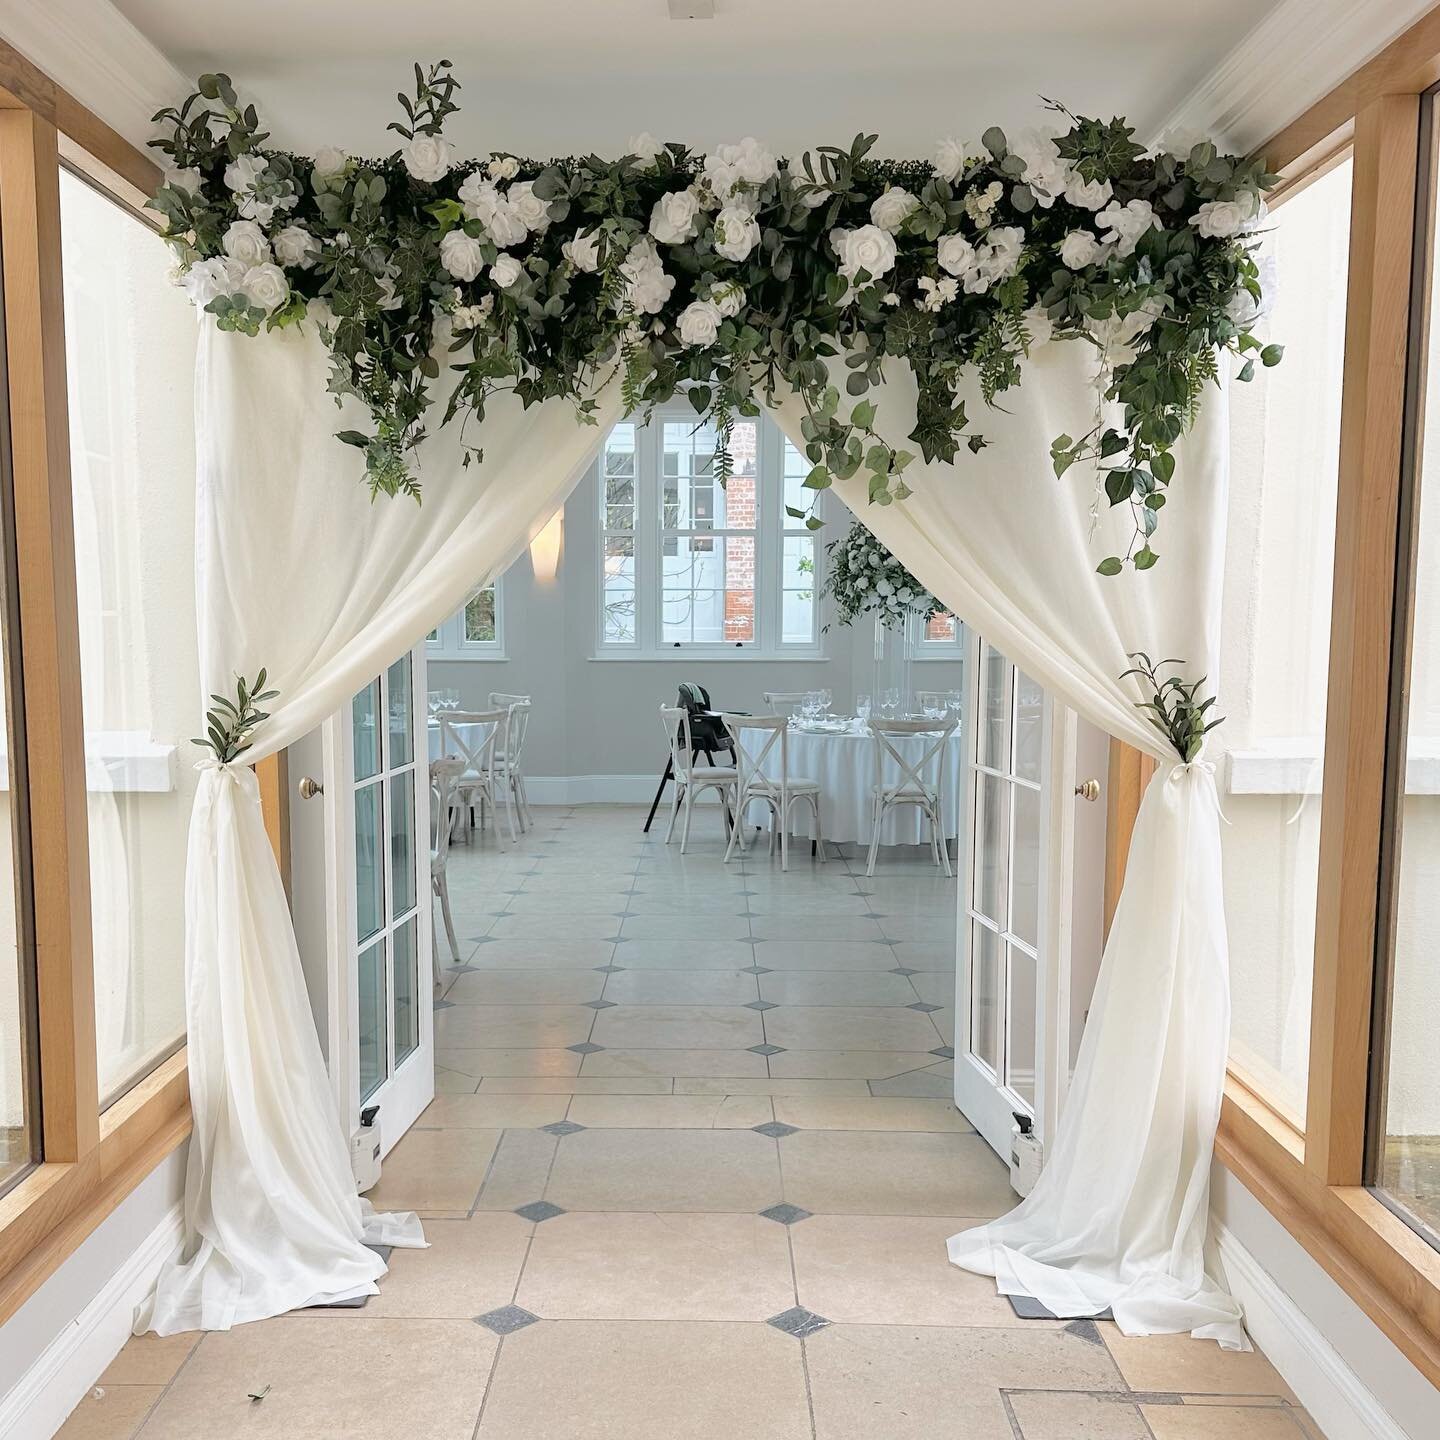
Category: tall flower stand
[891,666]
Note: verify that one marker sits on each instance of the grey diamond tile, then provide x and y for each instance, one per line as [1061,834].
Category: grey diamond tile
[756,970]
[444,1004]
[761,1005]
[1085,1330]
[945,1052]
[785,1214]
[506,1320]
[901,970]
[538,1210]
[609,969]
[798,1321]
[562,1127]
[480,939]
[585,1048]
[607,1005]
[871,915]
[775,1129]
[763,1049]
[924,1009]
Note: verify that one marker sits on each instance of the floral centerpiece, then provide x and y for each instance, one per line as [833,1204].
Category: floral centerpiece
[865,578]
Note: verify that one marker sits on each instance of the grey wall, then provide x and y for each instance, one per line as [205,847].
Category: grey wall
[598,717]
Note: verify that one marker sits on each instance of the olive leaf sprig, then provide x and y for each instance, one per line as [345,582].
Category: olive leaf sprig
[1176,710]
[230,724]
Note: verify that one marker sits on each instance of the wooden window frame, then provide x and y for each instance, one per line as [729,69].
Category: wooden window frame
[91,1160]
[1314,1182]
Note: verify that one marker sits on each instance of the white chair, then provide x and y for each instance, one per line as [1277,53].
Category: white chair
[779,793]
[444,787]
[480,780]
[911,788]
[691,779]
[507,760]
[782,702]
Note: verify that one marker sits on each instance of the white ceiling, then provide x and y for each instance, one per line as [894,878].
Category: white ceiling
[551,77]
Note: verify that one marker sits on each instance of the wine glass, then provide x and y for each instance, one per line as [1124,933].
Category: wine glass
[890,701]
[826,699]
[862,708]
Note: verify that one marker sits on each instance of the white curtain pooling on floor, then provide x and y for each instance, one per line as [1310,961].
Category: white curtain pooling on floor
[299,572]
[1118,1219]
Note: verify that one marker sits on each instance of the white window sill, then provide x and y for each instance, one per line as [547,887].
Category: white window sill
[1295,767]
[492,656]
[693,656]
[120,761]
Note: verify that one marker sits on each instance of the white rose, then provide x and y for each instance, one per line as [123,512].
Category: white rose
[869,248]
[1087,194]
[477,196]
[243,171]
[503,167]
[645,148]
[1045,172]
[884,587]
[505,226]
[583,252]
[649,286]
[296,246]
[1080,248]
[956,256]
[936,293]
[461,254]
[1002,254]
[250,207]
[892,209]
[531,211]
[699,323]
[950,158]
[728,299]
[816,197]
[319,313]
[188,180]
[330,161]
[672,221]
[1127,223]
[220,275]
[862,582]
[505,271]
[245,241]
[265,286]
[752,161]
[427,158]
[1220,219]
[736,233]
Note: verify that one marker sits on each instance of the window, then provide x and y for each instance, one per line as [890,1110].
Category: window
[1280,561]
[690,564]
[473,633]
[938,637]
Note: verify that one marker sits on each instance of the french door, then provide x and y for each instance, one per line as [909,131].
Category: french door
[1018,1016]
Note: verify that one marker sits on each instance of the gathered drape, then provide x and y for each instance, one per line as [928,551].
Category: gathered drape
[1119,1216]
[298,572]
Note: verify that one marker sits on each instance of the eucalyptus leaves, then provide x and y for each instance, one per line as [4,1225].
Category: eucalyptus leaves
[731,276]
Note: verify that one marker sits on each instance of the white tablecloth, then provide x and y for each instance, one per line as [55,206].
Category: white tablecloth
[844,766]
[474,736]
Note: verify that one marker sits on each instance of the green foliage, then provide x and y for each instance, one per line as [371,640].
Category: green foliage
[866,579]
[229,724]
[1174,706]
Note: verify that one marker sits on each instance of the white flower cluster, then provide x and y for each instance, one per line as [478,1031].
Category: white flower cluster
[864,577]
[258,194]
[979,266]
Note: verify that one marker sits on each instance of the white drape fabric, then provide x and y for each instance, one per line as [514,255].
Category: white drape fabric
[1118,1219]
[299,572]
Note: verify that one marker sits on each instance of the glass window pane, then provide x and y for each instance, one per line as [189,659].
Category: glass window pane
[402,720]
[364,730]
[709,591]
[407,990]
[1025,850]
[941,628]
[1020,1024]
[1275,667]
[991,824]
[402,841]
[618,592]
[480,616]
[1029,726]
[130,347]
[369,876]
[985,982]
[994,746]
[373,1062]
[797,467]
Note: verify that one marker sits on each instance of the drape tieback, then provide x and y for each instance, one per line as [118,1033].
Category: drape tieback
[1202,769]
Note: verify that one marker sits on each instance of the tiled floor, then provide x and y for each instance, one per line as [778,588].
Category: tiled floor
[689,1176]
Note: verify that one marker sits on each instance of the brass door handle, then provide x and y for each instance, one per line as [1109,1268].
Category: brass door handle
[309,788]
[1088,789]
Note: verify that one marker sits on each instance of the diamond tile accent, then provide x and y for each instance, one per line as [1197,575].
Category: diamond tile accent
[763,1049]
[761,1005]
[945,1052]
[785,1214]
[539,1210]
[923,1008]
[901,970]
[798,1321]
[599,1004]
[756,970]
[585,1048]
[506,1320]
[609,969]
[775,1129]
[871,915]
[562,1127]
[444,1004]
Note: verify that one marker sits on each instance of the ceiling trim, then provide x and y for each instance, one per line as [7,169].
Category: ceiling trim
[91,50]
[1298,53]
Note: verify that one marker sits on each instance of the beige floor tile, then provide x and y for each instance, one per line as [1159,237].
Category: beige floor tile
[557,926]
[435,1170]
[682,928]
[914,1383]
[693,900]
[1222,1422]
[493,1112]
[819,987]
[937,930]
[778,902]
[497,1060]
[559,899]
[518,1173]
[575,1085]
[826,955]
[150,1359]
[935,987]
[685,955]
[681,987]
[892,1270]
[681,1063]
[598,1380]
[471,1267]
[846,928]
[114,1414]
[519,1027]
[931,1083]
[658,1267]
[858,1172]
[894,1114]
[671,1112]
[543,954]
[1077,1416]
[665,1170]
[1179,1363]
[678,1027]
[847,1064]
[526,987]
[733,1085]
[452,1082]
[926,955]
[370,1380]
[852,1027]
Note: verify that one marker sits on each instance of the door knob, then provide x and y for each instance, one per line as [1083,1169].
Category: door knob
[1088,789]
[309,788]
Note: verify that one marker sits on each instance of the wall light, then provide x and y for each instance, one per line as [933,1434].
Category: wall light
[546,546]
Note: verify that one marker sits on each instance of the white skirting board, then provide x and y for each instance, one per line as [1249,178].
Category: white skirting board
[1327,1387]
[39,1404]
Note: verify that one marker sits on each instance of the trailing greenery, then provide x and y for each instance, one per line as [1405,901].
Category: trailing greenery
[865,578]
[1176,710]
[230,724]
[731,276]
